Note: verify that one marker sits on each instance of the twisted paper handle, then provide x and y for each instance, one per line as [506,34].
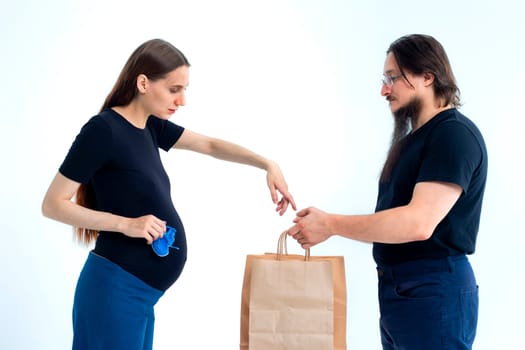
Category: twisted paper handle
[282,247]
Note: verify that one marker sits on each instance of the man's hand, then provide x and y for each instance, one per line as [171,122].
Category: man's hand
[312,226]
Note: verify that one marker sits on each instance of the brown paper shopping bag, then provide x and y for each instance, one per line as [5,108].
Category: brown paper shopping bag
[293,301]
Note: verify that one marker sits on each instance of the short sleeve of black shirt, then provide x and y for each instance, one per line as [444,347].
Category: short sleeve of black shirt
[88,152]
[453,154]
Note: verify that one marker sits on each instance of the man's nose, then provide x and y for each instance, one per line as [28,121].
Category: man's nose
[385,90]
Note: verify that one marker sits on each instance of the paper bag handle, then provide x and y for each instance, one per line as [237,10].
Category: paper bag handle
[282,247]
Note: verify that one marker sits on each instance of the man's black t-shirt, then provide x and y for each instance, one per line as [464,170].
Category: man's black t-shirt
[448,148]
[122,164]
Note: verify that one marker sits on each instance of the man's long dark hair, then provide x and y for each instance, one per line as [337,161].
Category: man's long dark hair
[155,59]
[419,54]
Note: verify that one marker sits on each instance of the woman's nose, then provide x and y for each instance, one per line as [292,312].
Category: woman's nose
[181,99]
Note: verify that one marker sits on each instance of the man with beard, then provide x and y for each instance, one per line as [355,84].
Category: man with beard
[428,206]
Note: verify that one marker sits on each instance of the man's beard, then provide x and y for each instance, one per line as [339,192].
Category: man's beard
[404,119]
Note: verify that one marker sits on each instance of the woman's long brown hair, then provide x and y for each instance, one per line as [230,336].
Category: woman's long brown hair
[155,59]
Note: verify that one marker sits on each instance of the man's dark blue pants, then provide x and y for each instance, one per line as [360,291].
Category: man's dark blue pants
[428,304]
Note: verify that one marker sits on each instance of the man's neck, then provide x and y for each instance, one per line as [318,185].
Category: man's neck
[428,113]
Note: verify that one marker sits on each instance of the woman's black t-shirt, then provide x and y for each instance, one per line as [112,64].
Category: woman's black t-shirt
[122,164]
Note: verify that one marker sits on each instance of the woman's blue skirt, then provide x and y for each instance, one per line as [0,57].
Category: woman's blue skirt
[113,309]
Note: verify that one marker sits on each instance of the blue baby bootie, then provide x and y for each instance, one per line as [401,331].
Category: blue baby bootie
[161,246]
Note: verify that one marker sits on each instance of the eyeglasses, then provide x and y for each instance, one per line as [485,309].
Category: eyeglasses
[389,80]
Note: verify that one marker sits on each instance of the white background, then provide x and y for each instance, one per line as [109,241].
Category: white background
[297,81]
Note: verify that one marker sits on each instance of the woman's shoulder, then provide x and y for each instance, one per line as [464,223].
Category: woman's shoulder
[97,125]
[109,120]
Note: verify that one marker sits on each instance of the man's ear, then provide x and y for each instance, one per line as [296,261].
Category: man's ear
[142,83]
[429,78]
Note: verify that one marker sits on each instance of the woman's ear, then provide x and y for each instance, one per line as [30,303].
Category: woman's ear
[142,83]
